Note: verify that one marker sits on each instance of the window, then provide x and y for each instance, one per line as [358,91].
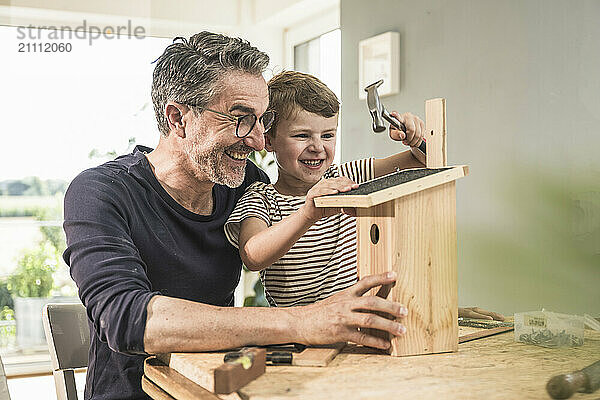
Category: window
[321,57]
[64,111]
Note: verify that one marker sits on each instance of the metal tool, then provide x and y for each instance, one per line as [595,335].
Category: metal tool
[239,369]
[379,113]
[586,380]
[273,357]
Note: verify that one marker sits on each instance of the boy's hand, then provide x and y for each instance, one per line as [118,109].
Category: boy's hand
[415,129]
[323,187]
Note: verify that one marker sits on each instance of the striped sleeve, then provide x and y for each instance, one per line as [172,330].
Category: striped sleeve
[252,204]
[359,171]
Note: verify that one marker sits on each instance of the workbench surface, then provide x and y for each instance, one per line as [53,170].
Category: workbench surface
[491,368]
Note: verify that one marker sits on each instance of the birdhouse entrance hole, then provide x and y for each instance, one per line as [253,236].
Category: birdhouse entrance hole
[374,234]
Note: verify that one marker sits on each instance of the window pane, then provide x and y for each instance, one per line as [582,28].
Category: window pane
[322,57]
[64,111]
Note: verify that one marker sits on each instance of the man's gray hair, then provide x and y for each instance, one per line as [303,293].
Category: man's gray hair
[190,70]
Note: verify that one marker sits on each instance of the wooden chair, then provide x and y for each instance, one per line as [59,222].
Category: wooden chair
[4,395]
[68,337]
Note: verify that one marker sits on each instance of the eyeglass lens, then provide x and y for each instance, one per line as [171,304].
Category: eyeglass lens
[247,122]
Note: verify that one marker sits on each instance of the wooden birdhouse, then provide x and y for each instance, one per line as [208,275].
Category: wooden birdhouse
[406,222]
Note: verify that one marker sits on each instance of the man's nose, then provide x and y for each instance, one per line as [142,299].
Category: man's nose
[256,138]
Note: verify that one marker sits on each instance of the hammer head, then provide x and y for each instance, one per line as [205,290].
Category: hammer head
[375,106]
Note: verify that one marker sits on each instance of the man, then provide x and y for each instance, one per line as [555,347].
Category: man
[145,235]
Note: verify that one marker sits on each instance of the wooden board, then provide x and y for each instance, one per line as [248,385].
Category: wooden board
[435,133]
[317,356]
[173,383]
[493,368]
[349,199]
[154,391]
[417,239]
[200,369]
[484,333]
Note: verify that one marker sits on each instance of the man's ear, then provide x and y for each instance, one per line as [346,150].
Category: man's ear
[268,144]
[174,115]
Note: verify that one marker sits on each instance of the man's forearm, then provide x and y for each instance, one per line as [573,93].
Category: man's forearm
[177,325]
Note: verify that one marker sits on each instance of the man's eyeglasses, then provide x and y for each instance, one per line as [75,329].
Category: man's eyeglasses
[245,123]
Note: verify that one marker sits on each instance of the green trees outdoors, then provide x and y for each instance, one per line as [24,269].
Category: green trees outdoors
[38,270]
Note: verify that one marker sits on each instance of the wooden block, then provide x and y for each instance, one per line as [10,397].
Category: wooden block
[173,383]
[230,376]
[209,371]
[435,132]
[317,356]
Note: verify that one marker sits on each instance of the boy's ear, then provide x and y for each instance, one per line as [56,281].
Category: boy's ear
[268,144]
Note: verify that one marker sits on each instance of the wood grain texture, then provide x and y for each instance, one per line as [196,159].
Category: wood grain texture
[317,356]
[492,368]
[405,189]
[484,333]
[172,382]
[155,392]
[230,377]
[435,132]
[199,368]
[417,239]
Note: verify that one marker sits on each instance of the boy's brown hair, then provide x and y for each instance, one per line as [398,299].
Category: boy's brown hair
[292,91]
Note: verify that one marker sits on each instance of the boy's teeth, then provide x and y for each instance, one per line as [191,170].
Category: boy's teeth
[237,156]
[312,162]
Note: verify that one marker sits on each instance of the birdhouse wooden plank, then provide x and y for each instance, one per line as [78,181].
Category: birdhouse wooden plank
[406,222]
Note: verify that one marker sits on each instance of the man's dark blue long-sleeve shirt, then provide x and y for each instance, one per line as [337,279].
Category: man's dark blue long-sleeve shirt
[128,240]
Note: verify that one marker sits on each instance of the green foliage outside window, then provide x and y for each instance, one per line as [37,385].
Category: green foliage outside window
[33,275]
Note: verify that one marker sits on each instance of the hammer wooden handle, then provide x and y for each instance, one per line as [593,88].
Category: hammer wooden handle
[586,380]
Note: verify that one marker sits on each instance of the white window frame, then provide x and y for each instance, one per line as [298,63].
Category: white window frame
[303,32]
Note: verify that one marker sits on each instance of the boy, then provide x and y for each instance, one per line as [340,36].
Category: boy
[304,253]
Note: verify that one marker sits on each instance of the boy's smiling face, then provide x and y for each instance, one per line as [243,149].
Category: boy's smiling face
[304,147]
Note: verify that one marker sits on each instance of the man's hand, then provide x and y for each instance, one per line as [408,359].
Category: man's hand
[339,317]
[415,129]
[323,187]
[478,313]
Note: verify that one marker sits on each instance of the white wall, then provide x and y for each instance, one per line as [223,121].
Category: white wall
[522,83]
[160,18]
[265,23]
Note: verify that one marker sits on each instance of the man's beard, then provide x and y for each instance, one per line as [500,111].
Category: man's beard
[211,163]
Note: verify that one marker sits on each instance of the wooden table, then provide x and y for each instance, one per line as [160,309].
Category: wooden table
[491,368]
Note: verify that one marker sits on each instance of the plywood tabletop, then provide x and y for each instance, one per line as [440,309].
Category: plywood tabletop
[492,368]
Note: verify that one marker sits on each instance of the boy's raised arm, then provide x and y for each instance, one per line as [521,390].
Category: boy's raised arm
[415,129]
[260,246]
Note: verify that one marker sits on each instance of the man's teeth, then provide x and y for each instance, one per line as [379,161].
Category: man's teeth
[236,155]
[312,163]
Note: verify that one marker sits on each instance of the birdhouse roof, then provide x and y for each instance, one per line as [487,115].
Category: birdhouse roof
[393,186]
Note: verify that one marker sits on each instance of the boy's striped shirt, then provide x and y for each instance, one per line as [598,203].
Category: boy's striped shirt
[323,260]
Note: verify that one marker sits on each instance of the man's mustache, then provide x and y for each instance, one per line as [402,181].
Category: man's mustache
[240,148]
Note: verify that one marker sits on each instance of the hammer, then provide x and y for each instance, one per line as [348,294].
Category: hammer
[586,380]
[379,113]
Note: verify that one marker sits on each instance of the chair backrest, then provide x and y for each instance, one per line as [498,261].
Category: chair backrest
[68,337]
[4,395]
